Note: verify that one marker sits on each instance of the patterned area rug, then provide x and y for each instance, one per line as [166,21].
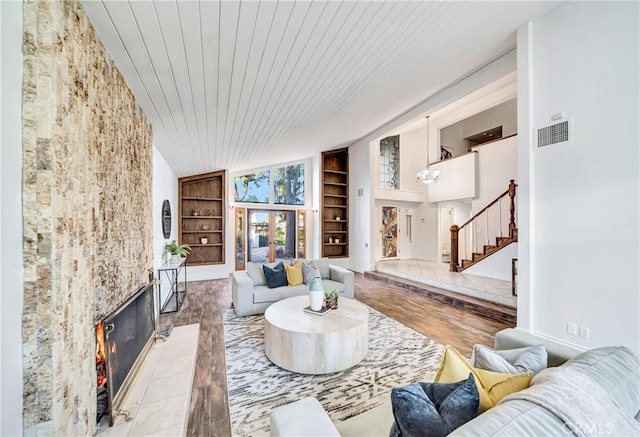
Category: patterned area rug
[397,356]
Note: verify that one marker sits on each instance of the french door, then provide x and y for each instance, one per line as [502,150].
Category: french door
[274,235]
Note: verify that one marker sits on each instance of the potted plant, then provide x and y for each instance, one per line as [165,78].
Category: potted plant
[331,299]
[176,250]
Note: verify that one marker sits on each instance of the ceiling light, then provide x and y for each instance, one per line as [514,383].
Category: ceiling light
[428,176]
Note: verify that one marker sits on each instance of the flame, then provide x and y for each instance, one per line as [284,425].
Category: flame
[101,363]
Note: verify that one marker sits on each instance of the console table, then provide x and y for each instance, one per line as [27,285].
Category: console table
[175,274]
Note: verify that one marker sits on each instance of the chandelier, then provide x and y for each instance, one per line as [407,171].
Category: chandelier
[428,176]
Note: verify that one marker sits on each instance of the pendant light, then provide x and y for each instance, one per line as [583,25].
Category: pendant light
[428,176]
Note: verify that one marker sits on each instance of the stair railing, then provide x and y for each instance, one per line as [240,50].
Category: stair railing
[484,229]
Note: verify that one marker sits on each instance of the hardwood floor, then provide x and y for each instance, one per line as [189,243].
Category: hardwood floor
[205,301]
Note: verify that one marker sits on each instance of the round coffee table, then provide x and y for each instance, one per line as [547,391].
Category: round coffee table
[313,344]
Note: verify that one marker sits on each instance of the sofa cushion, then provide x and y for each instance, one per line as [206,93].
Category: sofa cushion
[294,274]
[533,358]
[255,272]
[264,294]
[323,266]
[433,409]
[492,386]
[309,271]
[276,276]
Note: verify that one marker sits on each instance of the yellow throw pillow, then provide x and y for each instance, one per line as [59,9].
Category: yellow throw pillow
[492,386]
[294,274]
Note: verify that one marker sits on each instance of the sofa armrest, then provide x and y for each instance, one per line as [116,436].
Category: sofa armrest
[343,276]
[242,293]
[557,353]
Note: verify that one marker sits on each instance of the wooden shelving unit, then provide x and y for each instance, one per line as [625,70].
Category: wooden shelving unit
[202,215]
[335,203]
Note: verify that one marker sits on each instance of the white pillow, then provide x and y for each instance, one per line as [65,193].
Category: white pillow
[533,358]
[255,272]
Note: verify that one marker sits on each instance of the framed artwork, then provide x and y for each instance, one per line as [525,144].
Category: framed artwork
[446,152]
[389,231]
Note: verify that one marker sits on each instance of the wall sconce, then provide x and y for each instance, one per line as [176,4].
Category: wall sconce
[232,206]
[314,209]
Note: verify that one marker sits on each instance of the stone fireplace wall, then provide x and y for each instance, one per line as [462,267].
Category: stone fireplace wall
[87,190]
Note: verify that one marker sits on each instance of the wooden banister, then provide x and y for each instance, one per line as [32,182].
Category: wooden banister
[453,262]
[455,230]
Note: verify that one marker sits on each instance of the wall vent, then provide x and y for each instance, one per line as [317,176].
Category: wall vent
[553,134]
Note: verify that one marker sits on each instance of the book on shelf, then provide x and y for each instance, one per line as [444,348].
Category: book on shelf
[321,312]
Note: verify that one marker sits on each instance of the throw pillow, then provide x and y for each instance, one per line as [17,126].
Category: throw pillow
[433,409]
[323,266]
[294,274]
[492,386]
[519,360]
[255,272]
[309,271]
[276,276]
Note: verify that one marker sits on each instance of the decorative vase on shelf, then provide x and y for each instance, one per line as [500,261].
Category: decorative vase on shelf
[316,294]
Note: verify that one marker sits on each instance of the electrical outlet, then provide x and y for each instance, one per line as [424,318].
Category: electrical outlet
[584,333]
[572,329]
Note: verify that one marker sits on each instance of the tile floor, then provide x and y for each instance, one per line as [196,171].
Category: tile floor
[438,275]
[160,395]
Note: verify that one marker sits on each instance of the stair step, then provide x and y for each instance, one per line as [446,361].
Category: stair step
[488,248]
[475,256]
[482,307]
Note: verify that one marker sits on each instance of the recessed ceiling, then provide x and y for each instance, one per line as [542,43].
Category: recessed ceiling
[238,85]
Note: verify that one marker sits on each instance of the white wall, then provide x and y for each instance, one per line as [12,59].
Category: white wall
[497,163]
[11,292]
[504,114]
[452,136]
[497,266]
[165,186]
[360,207]
[458,179]
[583,254]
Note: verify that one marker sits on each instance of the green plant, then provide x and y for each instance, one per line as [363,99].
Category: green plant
[331,294]
[177,249]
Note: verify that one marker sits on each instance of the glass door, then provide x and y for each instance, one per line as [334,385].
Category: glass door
[271,235]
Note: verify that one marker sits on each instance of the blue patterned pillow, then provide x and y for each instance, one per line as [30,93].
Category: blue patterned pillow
[275,276]
[433,409]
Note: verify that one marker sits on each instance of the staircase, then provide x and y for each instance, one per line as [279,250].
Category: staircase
[472,242]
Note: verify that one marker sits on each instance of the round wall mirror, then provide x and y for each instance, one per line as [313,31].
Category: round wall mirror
[166,219]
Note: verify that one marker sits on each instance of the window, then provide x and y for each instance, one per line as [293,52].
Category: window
[286,183]
[253,188]
[390,162]
[289,185]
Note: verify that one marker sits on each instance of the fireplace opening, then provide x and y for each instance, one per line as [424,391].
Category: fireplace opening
[123,340]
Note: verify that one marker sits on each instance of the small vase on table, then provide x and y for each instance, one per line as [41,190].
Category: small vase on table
[316,294]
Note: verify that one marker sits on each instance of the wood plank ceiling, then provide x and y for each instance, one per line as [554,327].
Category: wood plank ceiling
[241,84]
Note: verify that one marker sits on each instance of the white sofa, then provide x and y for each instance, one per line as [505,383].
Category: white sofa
[616,370]
[251,295]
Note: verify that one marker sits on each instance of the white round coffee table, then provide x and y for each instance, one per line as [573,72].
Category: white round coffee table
[313,344]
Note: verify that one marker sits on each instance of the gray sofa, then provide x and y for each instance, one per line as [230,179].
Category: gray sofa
[615,370]
[251,295]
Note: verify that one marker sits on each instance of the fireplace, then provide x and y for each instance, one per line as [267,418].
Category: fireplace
[123,340]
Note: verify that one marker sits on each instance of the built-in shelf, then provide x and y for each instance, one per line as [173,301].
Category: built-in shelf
[202,203]
[335,202]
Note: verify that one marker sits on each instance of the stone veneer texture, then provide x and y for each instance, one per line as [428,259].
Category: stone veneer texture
[87,197]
